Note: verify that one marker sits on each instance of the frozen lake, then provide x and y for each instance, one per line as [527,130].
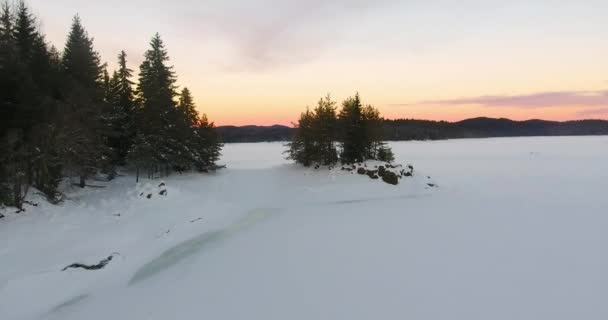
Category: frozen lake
[515,230]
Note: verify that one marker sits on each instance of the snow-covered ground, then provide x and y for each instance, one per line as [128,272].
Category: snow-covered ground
[517,229]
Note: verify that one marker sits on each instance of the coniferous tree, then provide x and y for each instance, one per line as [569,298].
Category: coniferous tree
[376,148]
[202,144]
[28,76]
[358,129]
[158,114]
[170,135]
[64,111]
[208,145]
[352,134]
[83,147]
[187,109]
[121,98]
[105,85]
[302,147]
[7,99]
[325,128]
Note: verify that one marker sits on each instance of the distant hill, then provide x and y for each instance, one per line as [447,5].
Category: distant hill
[255,133]
[411,129]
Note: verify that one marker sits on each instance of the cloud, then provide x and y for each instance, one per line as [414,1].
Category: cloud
[593,113]
[265,34]
[534,100]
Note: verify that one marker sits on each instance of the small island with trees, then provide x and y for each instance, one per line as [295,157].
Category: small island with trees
[350,136]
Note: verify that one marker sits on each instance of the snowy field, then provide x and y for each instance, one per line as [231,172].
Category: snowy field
[517,229]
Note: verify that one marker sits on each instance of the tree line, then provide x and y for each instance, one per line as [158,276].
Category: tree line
[324,136]
[64,115]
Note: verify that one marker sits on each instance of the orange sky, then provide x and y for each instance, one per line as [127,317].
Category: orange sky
[262,62]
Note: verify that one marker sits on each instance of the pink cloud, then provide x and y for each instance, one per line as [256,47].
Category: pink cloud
[534,100]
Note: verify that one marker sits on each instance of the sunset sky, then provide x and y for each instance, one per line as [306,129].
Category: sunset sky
[262,62]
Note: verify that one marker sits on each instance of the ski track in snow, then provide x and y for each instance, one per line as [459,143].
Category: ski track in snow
[192,246]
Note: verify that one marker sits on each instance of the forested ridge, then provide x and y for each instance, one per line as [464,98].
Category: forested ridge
[65,114]
[414,129]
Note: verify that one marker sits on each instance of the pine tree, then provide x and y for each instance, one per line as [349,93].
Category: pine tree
[187,109]
[376,148]
[121,98]
[209,146]
[83,147]
[302,147]
[28,79]
[197,135]
[7,99]
[9,70]
[325,128]
[124,84]
[24,31]
[352,134]
[105,85]
[158,114]
[358,129]
[65,112]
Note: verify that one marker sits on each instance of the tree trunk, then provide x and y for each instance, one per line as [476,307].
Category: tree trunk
[17,194]
[82,183]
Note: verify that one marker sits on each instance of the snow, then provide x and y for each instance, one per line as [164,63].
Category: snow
[515,230]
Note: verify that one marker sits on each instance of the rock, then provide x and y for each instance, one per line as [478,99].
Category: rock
[361,171]
[162,184]
[381,170]
[317,167]
[432,185]
[149,196]
[163,192]
[407,174]
[411,167]
[390,178]
[1,216]
[372,173]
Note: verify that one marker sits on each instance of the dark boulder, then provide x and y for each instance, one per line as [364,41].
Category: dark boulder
[390,178]
[381,170]
[361,171]
[372,173]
